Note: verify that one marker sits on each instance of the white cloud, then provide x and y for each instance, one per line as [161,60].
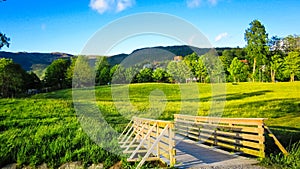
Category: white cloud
[221,36]
[123,4]
[197,3]
[103,6]
[193,3]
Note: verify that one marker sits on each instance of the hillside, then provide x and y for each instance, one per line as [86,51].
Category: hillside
[31,60]
[38,61]
[45,129]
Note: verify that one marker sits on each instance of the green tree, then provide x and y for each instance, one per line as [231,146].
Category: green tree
[191,61]
[83,73]
[291,43]
[12,78]
[4,41]
[200,70]
[275,65]
[257,48]
[32,81]
[55,75]
[102,71]
[179,71]
[160,75]
[117,74]
[130,74]
[145,75]
[70,71]
[292,65]
[237,70]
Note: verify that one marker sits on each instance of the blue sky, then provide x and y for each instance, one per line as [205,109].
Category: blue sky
[66,25]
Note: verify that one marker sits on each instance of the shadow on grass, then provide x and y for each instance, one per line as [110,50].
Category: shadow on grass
[227,97]
[273,108]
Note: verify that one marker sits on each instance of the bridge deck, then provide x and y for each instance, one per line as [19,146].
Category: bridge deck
[190,154]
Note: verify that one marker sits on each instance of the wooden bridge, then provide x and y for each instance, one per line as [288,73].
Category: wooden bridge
[195,141]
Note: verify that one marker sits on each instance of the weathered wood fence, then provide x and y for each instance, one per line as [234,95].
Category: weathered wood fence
[240,134]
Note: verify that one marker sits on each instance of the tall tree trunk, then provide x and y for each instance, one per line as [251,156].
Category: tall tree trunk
[273,72]
[254,66]
[292,77]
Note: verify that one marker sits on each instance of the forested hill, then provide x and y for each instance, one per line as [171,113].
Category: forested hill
[33,61]
[30,61]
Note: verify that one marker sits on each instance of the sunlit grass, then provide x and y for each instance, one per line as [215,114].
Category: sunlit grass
[44,128]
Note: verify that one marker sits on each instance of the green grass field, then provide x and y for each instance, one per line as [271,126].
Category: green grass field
[44,128]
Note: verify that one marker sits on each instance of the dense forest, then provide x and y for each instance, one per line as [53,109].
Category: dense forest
[263,59]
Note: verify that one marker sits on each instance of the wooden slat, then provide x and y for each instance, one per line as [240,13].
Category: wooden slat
[241,134]
[148,159]
[244,121]
[233,128]
[283,150]
[236,135]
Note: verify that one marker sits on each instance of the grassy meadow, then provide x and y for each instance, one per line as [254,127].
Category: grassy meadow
[44,128]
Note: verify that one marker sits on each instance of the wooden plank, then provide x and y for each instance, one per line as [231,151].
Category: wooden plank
[142,142]
[138,159]
[131,151]
[206,118]
[233,128]
[162,146]
[151,149]
[241,136]
[232,141]
[283,150]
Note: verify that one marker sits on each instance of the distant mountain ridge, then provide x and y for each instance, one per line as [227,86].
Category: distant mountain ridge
[30,61]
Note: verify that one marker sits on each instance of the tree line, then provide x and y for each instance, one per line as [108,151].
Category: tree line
[263,59]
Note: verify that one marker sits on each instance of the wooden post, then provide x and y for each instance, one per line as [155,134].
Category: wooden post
[157,147]
[172,151]
[261,140]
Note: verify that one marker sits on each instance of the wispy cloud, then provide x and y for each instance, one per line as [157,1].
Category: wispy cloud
[197,3]
[102,6]
[193,3]
[221,36]
[123,4]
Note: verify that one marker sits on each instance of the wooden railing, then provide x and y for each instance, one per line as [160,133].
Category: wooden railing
[240,134]
[150,140]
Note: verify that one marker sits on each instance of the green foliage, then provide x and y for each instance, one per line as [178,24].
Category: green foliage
[280,161]
[102,71]
[145,75]
[179,71]
[257,49]
[55,75]
[291,43]
[160,75]
[130,74]
[83,73]
[214,67]
[275,65]
[118,74]
[238,70]
[4,41]
[32,81]
[12,78]
[292,65]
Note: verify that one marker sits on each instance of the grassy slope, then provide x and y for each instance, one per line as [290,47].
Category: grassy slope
[48,122]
